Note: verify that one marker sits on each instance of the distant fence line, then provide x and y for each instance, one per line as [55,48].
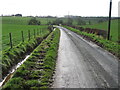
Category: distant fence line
[29,34]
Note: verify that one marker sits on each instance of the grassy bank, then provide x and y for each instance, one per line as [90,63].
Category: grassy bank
[12,56]
[112,47]
[36,72]
[104,26]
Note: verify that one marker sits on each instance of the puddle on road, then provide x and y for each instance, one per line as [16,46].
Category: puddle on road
[9,76]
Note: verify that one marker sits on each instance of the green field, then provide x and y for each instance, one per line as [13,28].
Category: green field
[104,26]
[24,20]
[17,24]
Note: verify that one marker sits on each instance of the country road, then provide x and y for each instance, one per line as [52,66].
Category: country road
[83,64]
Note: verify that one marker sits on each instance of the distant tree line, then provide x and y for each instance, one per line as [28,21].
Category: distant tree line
[19,15]
[68,21]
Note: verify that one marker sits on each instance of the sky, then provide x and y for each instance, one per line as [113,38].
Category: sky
[58,7]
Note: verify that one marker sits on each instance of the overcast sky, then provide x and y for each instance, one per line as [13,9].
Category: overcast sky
[58,7]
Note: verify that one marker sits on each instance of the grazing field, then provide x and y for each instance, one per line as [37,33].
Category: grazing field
[24,20]
[15,25]
[104,26]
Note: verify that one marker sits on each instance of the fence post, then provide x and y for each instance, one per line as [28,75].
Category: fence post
[22,36]
[34,33]
[28,34]
[41,31]
[37,32]
[10,39]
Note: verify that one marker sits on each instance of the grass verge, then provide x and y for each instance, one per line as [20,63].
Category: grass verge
[37,71]
[11,57]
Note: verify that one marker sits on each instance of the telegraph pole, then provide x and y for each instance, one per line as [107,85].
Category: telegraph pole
[109,23]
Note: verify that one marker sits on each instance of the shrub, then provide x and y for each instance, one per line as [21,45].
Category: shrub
[34,21]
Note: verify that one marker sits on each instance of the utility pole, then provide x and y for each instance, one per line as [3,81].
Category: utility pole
[109,23]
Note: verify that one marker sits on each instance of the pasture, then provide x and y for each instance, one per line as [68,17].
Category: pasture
[15,25]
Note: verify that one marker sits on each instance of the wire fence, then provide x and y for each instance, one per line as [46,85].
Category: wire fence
[14,38]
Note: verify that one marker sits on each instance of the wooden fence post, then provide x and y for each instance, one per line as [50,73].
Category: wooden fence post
[34,33]
[40,31]
[37,32]
[22,36]
[10,39]
[28,34]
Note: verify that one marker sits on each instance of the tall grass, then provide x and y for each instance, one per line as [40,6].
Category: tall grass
[12,56]
[37,71]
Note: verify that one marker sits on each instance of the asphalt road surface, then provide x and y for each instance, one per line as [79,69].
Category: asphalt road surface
[83,64]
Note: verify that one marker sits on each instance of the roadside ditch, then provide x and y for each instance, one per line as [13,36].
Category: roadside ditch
[37,70]
[13,58]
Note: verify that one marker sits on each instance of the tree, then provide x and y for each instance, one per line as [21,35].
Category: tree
[33,21]
[20,15]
